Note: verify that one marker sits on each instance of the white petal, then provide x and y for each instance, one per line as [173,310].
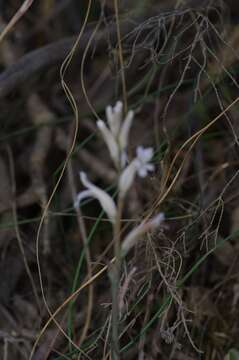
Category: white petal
[106,202]
[114,118]
[109,114]
[142,171]
[113,125]
[118,112]
[144,154]
[158,219]
[118,107]
[127,177]
[125,128]
[140,230]
[82,195]
[139,151]
[110,141]
[150,167]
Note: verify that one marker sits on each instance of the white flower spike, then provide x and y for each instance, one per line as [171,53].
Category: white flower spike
[114,117]
[117,133]
[106,202]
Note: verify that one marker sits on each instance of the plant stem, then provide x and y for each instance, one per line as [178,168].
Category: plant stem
[115,281]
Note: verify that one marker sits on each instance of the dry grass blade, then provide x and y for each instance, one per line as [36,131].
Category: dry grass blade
[18,15]
[64,68]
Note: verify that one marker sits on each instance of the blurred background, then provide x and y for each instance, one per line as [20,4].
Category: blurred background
[175,63]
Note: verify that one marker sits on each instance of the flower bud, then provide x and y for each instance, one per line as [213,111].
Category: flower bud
[110,141]
[132,238]
[127,177]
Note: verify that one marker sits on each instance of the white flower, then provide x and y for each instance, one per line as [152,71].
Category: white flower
[117,133]
[114,117]
[127,177]
[105,200]
[139,165]
[140,230]
[144,156]
[123,134]
[110,141]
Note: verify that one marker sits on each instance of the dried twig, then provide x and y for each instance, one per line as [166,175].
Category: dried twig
[20,13]
[38,60]
[82,230]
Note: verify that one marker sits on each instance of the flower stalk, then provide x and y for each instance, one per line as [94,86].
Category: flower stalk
[114,276]
[115,135]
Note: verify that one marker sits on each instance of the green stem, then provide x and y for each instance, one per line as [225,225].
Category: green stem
[115,281]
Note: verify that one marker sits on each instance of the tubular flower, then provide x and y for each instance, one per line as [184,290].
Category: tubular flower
[140,230]
[140,165]
[106,202]
[114,117]
[110,141]
[123,134]
[117,133]
[127,177]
